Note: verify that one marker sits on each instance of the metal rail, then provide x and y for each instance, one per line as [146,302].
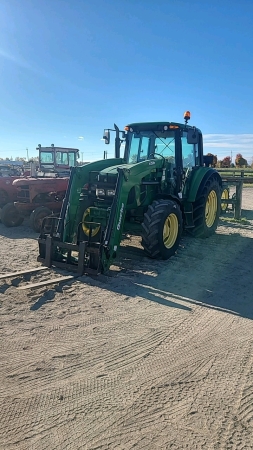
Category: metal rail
[57,280]
[3,276]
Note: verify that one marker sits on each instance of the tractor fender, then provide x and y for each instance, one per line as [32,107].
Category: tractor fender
[197,181]
[174,198]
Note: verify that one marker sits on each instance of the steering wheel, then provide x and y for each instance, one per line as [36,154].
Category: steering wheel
[156,154]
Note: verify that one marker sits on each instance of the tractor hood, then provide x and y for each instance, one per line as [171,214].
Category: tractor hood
[113,170]
[36,181]
[109,174]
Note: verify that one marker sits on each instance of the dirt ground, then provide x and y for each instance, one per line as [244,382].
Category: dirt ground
[157,355]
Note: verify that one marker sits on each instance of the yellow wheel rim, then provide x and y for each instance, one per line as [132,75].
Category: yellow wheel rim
[170,230]
[211,209]
[85,225]
[225,196]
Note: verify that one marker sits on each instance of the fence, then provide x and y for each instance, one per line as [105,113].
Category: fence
[246,174]
[237,178]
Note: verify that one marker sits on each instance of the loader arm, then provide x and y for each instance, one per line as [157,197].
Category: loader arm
[80,176]
[127,179]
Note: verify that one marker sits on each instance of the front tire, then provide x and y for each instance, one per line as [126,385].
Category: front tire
[162,229]
[10,216]
[206,209]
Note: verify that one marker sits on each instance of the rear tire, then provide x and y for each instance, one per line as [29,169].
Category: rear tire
[206,210]
[10,216]
[162,229]
[37,216]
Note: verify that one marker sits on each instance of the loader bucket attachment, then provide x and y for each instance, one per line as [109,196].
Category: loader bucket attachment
[84,257]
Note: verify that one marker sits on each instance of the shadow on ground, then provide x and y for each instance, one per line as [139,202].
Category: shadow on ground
[214,273]
[228,286]
[24,231]
[47,296]
[248,213]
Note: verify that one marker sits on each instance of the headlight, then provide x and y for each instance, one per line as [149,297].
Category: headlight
[110,192]
[100,192]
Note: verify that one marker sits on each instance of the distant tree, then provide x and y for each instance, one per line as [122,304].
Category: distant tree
[240,161]
[226,162]
[20,159]
[34,159]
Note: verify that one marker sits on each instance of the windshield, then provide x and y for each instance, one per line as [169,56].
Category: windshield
[47,157]
[146,143]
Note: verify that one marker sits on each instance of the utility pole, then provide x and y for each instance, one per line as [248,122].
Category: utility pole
[27,154]
[82,156]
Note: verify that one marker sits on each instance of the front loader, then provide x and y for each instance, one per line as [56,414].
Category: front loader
[160,187]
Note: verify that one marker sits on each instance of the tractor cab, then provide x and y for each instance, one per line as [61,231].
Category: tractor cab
[56,160]
[170,151]
[180,144]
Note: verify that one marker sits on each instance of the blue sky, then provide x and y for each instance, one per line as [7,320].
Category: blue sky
[70,68]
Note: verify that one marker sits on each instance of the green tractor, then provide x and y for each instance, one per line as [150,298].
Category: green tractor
[160,187]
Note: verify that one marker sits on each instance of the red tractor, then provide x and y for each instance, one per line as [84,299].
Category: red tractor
[9,173]
[41,194]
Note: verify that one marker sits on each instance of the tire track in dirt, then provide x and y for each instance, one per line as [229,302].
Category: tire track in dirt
[169,402]
[60,333]
[237,433]
[226,340]
[152,402]
[94,357]
[178,356]
[57,408]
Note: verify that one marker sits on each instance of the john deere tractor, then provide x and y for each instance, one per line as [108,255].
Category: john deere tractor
[160,187]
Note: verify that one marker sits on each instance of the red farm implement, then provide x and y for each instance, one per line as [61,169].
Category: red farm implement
[41,194]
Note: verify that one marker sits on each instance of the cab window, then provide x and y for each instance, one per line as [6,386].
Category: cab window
[139,148]
[47,157]
[72,159]
[188,152]
[62,158]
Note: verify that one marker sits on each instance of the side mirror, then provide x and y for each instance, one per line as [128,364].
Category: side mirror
[106,136]
[192,137]
[123,135]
